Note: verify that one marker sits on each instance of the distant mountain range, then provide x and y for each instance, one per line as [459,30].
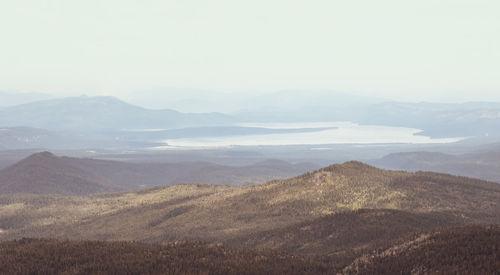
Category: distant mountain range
[83,114]
[483,165]
[435,119]
[105,114]
[45,173]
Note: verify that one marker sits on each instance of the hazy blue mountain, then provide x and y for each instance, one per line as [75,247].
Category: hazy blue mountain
[189,100]
[483,165]
[435,119]
[198,100]
[304,105]
[108,114]
[100,113]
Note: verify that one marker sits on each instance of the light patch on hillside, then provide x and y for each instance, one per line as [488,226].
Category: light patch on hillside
[11,209]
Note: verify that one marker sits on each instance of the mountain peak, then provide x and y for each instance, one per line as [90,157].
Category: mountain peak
[41,160]
[46,173]
[45,155]
[351,165]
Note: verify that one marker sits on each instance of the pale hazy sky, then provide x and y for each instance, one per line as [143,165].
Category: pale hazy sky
[418,49]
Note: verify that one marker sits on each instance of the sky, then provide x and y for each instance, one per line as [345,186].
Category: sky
[434,50]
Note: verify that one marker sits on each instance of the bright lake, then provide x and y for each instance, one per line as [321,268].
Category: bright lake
[340,133]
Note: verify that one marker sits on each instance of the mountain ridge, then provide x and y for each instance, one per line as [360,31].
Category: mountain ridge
[100,113]
[335,214]
[223,212]
[38,172]
[45,173]
[484,165]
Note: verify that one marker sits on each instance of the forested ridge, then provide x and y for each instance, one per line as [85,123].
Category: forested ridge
[455,250]
[460,250]
[322,220]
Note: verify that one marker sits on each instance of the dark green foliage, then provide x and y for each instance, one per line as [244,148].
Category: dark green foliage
[351,229]
[33,256]
[342,237]
[463,250]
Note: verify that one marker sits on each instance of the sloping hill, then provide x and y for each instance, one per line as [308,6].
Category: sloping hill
[457,250]
[334,215]
[223,213]
[143,175]
[44,173]
[341,238]
[462,250]
[360,230]
[354,185]
[10,157]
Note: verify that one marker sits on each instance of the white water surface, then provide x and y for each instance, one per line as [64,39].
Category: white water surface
[340,133]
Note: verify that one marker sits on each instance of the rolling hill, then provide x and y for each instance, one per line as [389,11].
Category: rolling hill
[461,250]
[333,216]
[223,213]
[45,173]
[335,234]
